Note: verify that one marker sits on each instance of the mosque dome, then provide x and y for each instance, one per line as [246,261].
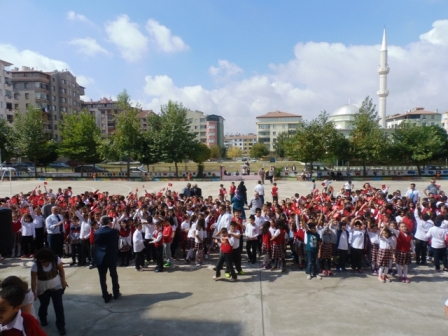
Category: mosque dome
[348,109]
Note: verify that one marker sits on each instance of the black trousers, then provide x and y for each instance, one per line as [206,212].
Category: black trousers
[56,297]
[76,253]
[159,257]
[227,258]
[251,247]
[439,255]
[39,242]
[150,251]
[236,258]
[342,258]
[102,272]
[56,243]
[420,251]
[175,244]
[28,245]
[356,255]
[85,251]
[139,259]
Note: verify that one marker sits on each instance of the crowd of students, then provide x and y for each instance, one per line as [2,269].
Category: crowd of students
[322,233]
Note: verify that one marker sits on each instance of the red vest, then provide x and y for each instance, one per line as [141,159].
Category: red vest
[225,246]
[404,242]
[155,235]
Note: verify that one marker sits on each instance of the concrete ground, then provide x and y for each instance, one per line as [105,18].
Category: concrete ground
[186,301]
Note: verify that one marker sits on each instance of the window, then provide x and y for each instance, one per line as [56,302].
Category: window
[423,124]
[16,106]
[26,105]
[54,98]
[27,96]
[273,133]
[1,93]
[16,96]
[25,85]
[53,88]
[433,117]
[55,117]
[432,123]
[63,81]
[273,126]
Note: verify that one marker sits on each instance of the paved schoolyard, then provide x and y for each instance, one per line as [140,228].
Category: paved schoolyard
[186,301]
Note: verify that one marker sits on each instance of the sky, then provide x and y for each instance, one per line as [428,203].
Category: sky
[235,58]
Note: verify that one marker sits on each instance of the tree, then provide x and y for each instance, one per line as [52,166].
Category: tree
[126,141]
[312,141]
[80,137]
[234,152]
[259,150]
[200,154]
[281,143]
[215,152]
[51,154]
[30,139]
[223,150]
[171,135]
[147,156]
[368,140]
[418,144]
[6,141]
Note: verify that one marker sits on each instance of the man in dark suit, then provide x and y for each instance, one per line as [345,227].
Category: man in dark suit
[106,251]
[195,191]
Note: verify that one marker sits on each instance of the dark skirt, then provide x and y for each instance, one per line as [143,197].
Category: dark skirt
[278,252]
[198,246]
[265,249]
[384,256]
[190,243]
[403,258]
[326,249]
[17,238]
[374,249]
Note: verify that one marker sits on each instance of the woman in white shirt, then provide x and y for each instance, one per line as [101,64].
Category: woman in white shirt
[48,282]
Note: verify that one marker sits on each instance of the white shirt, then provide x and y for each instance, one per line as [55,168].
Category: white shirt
[43,285]
[222,222]
[414,193]
[374,237]
[191,232]
[236,242]
[198,234]
[357,238]
[349,186]
[139,242]
[51,222]
[148,228]
[37,220]
[343,241]
[422,227]
[16,323]
[259,189]
[28,229]
[251,232]
[438,236]
[386,243]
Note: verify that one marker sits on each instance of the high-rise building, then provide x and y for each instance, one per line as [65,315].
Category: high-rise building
[271,124]
[242,141]
[54,92]
[6,107]
[209,129]
[382,93]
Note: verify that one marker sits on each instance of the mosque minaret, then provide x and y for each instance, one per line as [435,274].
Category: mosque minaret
[382,93]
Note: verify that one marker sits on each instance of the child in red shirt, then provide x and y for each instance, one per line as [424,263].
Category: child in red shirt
[167,233]
[274,193]
[232,190]
[14,322]
[266,244]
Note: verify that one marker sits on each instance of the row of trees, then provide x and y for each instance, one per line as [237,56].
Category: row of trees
[168,138]
[367,144]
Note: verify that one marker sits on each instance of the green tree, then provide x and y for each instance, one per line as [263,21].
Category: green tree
[200,154]
[259,150]
[223,150]
[418,144]
[127,140]
[234,152]
[51,154]
[30,139]
[281,143]
[80,137]
[170,134]
[215,152]
[368,141]
[313,140]
[6,141]
[147,155]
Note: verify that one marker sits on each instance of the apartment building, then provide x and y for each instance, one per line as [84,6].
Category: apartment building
[243,141]
[106,111]
[6,96]
[271,124]
[209,129]
[416,116]
[54,92]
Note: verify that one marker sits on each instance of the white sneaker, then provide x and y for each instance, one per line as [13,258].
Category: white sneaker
[308,277]
[318,277]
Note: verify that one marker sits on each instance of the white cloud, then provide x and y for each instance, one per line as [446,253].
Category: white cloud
[126,35]
[224,71]
[30,58]
[437,35]
[88,46]
[71,15]
[163,39]
[85,81]
[321,76]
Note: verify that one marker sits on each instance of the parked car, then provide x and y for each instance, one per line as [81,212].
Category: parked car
[137,170]
[25,169]
[22,164]
[58,164]
[272,159]
[90,169]
[3,168]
